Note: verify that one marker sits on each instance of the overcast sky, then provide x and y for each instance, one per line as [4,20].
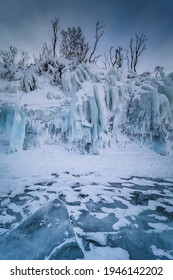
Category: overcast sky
[26,24]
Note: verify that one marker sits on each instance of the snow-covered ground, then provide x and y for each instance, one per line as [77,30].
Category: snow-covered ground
[120,203]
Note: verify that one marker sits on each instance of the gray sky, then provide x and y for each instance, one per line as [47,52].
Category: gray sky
[26,24]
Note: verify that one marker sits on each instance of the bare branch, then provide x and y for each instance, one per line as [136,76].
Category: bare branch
[9,56]
[46,52]
[111,56]
[55,26]
[116,56]
[99,33]
[106,62]
[73,44]
[136,49]
[23,59]
[127,58]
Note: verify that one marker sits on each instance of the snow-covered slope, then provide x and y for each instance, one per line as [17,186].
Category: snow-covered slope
[87,110]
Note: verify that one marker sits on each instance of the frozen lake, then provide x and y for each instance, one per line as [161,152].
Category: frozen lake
[135,215]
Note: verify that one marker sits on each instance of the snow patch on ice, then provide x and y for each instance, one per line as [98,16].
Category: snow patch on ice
[105,253]
[161,253]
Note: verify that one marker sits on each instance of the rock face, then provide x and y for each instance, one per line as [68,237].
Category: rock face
[47,234]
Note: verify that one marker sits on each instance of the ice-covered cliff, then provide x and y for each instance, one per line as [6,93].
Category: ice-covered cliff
[88,109]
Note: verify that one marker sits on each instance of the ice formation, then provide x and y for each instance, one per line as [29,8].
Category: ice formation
[88,110]
[47,234]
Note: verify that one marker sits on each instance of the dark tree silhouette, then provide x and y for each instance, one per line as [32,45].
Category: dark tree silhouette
[73,44]
[55,26]
[137,47]
[8,65]
[116,57]
[99,33]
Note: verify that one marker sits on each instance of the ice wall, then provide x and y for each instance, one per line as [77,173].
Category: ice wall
[93,110]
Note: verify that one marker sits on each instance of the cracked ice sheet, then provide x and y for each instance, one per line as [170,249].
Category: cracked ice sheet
[17,170]
[101,253]
[123,214]
[160,252]
[159,227]
[85,175]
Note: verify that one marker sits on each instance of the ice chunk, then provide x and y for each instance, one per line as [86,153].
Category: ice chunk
[47,234]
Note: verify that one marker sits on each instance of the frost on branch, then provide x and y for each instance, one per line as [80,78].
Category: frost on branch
[29,81]
[8,66]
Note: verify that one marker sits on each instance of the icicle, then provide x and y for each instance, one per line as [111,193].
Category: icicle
[18,132]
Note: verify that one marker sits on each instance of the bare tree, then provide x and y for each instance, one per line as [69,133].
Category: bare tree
[136,49]
[55,26]
[99,33]
[47,51]
[73,44]
[23,59]
[121,57]
[8,66]
[106,62]
[127,58]
[116,57]
[131,54]
[112,57]
[9,56]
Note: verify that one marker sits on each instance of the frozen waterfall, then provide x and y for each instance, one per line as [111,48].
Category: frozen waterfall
[90,110]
